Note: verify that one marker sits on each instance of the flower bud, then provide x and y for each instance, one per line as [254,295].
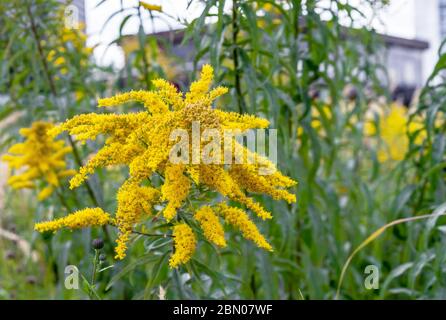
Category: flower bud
[98,243]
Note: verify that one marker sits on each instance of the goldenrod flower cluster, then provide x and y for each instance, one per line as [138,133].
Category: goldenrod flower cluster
[156,54]
[211,226]
[133,202]
[393,128]
[79,219]
[184,242]
[268,15]
[40,157]
[142,142]
[240,220]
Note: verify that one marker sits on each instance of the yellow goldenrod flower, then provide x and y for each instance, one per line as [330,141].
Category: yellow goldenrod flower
[175,189]
[240,220]
[212,229]
[133,202]
[184,244]
[42,159]
[142,141]
[79,219]
[151,7]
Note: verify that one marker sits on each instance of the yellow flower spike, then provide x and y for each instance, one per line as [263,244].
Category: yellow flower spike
[240,220]
[184,244]
[212,229]
[121,245]
[199,88]
[89,126]
[253,206]
[169,93]
[52,178]
[104,157]
[151,7]
[233,120]
[215,93]
[219,179]
[22,185]
[45,193]
[42,157]
[175,189]
[150,100]
[28,175]
[17,148]
[246,176]
[80,219]
[133,202]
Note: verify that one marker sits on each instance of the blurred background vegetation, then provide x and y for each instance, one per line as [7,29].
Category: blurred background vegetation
[362,156]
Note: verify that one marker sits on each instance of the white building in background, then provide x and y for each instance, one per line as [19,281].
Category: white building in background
[404,61]
[430,26]
[413,31]
[423,20]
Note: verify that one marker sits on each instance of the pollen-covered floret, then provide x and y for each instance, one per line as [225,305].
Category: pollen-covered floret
[240,220]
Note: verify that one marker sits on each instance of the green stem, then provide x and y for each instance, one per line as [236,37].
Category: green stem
[78,160]
[142,49]
[95,267]
[235,57]
[153,234]
[54,265]
[90,191]
[40,51]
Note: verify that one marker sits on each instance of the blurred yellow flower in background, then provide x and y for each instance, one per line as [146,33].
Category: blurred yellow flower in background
[184,243]
[317,116]
[393,128]
[154,53]
[71,41]
[40,157]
